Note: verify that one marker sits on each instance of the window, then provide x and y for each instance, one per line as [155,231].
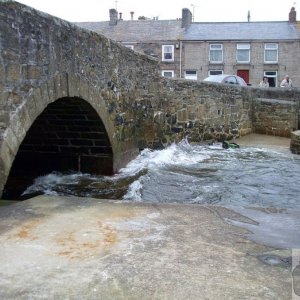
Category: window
[168,52]
[215,72]
[231,80]
[272,77]
[216,53]
[271,53]
[190,75]
[129,46]
[243,53]
[167,73]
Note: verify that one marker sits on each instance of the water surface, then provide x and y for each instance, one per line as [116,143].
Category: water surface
[259,183]
[191,174]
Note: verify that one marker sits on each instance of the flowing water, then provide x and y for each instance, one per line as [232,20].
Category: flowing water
[243,180]
[191,174]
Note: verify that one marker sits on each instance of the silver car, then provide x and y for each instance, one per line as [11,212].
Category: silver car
[228,79]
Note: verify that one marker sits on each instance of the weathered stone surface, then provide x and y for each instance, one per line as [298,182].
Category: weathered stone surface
[82,248]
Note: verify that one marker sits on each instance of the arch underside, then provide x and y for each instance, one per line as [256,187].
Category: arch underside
[67,136]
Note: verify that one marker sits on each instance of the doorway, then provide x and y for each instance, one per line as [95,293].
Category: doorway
[244,74]
[272,77]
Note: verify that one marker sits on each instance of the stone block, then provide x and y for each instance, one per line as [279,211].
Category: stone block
[4,99]
[34,72]
[31,107]
[14,99]
[13,73]
[2,74]
[51,90]
[11,140]
[182,115]
[84,89]
[7,156]
[44,94]
[61,86]
[20,122]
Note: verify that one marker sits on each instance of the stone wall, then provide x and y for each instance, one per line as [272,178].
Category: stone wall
[208,111]
[200,111]
[275,111]
[44,59]
[295,142]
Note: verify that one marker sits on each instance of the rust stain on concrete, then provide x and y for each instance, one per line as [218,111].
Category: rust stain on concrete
[26,231]
[78,245]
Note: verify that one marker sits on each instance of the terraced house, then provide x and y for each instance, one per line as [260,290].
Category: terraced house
[195,50]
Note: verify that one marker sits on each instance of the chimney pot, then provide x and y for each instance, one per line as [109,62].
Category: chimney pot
[132,14]
[292,15]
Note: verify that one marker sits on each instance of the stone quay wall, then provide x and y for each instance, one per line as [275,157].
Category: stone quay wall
[295,142]
[275,111]
[200,111]
[209,111]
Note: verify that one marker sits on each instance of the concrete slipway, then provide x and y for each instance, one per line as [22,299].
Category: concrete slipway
[83,248]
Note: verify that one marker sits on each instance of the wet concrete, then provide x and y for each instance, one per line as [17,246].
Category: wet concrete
[83,248]
[265,141]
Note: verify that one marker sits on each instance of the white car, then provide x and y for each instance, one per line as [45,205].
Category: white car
[228,79]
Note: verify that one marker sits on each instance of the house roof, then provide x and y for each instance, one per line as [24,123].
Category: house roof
[242,31]
[170,30]
[138,30]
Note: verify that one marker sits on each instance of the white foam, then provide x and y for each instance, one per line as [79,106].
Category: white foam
[180,154]
[134,192]
[47,182]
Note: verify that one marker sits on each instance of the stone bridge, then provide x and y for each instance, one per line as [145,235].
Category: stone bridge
[71,99]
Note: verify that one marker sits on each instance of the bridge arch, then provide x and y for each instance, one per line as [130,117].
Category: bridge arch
[62,125]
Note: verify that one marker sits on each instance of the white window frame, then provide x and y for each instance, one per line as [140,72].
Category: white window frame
[130,46]
[167,71]
[271,47]
[215,47]
[242,47]
[220,72]
[170,50]
[190,74]
[269,75]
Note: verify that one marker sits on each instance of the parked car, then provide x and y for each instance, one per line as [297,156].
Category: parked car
[228,79]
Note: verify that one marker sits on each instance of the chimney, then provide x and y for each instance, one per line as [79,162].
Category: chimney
[292,15]
[186,18]
[131,14]
[120,16]
[113,17]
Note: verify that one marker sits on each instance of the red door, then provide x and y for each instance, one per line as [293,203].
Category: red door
[244,74]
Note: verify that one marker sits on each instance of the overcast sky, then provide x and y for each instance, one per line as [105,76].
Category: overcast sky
[204,11]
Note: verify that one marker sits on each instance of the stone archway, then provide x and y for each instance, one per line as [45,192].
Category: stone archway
[67,136]
[64,88]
